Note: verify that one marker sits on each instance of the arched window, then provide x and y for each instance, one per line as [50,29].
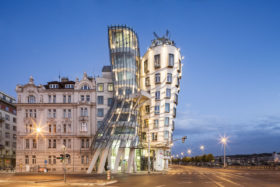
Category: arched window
[85,87]
[31,99]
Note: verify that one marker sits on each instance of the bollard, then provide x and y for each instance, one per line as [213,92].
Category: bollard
[108,174]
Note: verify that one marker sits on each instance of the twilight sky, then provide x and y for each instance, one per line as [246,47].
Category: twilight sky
[231,71]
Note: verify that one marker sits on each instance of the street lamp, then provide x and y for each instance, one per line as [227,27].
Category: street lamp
[223,141]
[189,151]
[38,130]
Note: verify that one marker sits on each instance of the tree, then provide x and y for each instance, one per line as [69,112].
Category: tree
[209,157]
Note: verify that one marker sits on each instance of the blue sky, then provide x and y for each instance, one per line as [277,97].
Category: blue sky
[231,76]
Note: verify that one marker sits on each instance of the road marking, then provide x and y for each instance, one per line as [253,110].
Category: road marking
[228,180]
[161,185]
[217,183]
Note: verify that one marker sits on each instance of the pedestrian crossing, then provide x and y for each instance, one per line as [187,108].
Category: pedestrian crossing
[211,173]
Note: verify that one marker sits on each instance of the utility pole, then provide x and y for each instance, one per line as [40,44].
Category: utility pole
[149,147]
[224,155]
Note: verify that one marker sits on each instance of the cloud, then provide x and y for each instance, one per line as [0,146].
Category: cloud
[257,135]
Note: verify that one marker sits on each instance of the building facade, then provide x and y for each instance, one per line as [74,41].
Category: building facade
[8,129]
[140,123]
[122,120]
[52,118]
[160,77]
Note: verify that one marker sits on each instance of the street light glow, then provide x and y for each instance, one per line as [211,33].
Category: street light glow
[38,130]
[224,140]
[189,151]
[202,147]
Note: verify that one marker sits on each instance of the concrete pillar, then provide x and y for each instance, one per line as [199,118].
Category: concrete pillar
[103,158]
[93,161]
[119,154]
[130,160]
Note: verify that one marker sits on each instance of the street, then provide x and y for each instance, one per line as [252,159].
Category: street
[176,176]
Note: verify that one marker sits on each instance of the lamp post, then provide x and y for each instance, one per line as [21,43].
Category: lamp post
[224,140]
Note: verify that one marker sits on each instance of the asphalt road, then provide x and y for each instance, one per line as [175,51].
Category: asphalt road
[208,177]
[176,176]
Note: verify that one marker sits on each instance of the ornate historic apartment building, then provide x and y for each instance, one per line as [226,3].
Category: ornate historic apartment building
[8,129]
[50,116]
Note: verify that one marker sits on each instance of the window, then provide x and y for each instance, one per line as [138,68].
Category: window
[35,114]
[82,97]
[82,143]
[34,143]
[157,95]
[88,98]
[49,113]
[87,143]
[64,142]
[54,128]
[69,127]
[168,92]
[64,128]
[54,98]
[64,98]
[31,99]
[69,143]
[54,113]
[50,159]
[54,143]
[155,123]
[176,98]
[157,61]
[147,81]
[50,128]
[26,113]
[26,159]
[69,85]
[146,69]
[33,159]
[84,112]
[110,101]
[166,121]
[166,135]
[147,109]
[7,135]
[157,78]
[85,87]
[50,143]
[64,113]
[50,98]
[110,87]
[154,136]
[169,78]
[84,127]
[157,109]
[100,112]
[82,159]
[100,100]
[69,113]
[27,143]
[54,159]
[99,124]
[144,136]
[167,107]
[53,86]
[174,112]
[7,126]
[7,117]
[69,98]
[14,128]
[171,60]
[100,87]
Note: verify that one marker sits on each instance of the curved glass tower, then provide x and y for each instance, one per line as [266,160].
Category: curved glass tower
[118,133]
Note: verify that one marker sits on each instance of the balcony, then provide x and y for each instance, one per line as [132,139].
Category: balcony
[83,118]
